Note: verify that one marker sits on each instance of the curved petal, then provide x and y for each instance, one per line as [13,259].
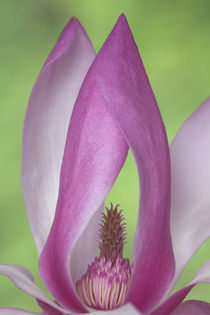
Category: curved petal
[23,279]
[202,276]
[123,82]
[193,308]
[94,154]
[46,125]
[48,309]
[190,167]
[16,311]
[124,310]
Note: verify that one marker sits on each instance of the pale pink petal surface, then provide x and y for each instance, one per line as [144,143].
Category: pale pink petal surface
[124,85]
[126,309]
[16,311]
[190,167]
[193,308]
[202,276]
[46,125]
[24,280]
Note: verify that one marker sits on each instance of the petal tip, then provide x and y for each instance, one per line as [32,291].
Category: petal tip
[72,23]
[122,17]
[122,21]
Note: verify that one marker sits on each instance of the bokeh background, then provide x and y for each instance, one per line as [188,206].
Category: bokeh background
[173,39]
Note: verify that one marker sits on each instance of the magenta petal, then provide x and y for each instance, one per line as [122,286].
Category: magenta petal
[23,279]
[202,276]
[94,154]
[46,125]
[190,167]
[16,311]
[193,308]
[123,82]
[49,309]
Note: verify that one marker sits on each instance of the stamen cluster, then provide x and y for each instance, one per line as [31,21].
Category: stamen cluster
[105,284]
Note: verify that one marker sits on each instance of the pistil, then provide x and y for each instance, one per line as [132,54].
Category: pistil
[105,284]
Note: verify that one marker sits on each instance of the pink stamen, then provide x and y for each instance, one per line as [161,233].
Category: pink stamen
[104,286]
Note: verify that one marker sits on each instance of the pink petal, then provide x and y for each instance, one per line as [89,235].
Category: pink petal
[46,125]
[23,279]
[193,308]
[123,82]
[16,311]
[49,309]
[202,276]
[190,167]
[94,154]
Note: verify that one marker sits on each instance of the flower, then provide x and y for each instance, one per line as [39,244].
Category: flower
[68,169]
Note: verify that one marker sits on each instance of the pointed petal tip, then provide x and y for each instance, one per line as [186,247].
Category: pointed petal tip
[72,24]
[59,80]
[122,17]
[74,21]
[122,21]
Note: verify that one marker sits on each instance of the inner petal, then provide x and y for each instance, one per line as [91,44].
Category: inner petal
[105,283]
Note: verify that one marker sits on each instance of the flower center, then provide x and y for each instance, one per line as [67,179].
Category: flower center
[105,284]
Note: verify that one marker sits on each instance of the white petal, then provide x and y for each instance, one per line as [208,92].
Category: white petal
[127,309]
[23,279]
[46,125]
[16,311]
[173,302]
[190,167]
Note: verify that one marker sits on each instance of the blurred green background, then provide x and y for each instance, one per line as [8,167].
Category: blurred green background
[173,39]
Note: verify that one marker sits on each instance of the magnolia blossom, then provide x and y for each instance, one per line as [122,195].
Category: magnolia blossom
[84,113]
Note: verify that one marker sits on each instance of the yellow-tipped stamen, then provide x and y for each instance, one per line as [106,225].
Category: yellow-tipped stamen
[105,284]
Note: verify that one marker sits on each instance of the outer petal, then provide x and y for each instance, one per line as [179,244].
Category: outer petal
[94,154]
[23,279]
[123,82]
[46,125]
[16,311]
[202,276]
[193,308]
[190,167]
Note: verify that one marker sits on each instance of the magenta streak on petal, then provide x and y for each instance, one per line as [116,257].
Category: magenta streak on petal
[202,276]
[94,154]
[193,307]
[46,125]
[48,309]
[23,279]
[123,82]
